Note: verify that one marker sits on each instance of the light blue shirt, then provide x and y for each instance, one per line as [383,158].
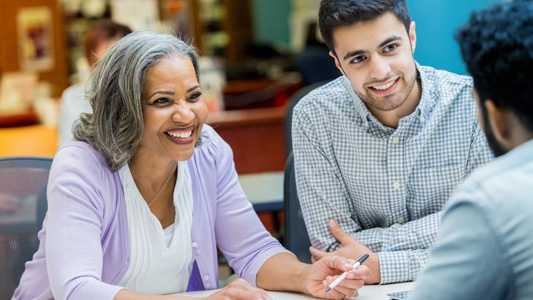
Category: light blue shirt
[485,244]
[384,186]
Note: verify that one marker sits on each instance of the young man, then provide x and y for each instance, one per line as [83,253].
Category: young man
[485,246]
[380,149]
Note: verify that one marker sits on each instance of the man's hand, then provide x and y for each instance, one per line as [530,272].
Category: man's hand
[323,272]
[351,248]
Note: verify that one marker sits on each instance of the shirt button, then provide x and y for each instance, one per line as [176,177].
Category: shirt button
[194,245]
[206,277]
[395,140]
[422,119]
[208,285]
[396,185]
[366,124]
[401,220]
[198,252]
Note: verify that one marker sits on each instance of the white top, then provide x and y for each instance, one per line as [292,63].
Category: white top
[161,259]
[73,103]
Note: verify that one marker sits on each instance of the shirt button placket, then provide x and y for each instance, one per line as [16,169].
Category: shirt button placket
[396,165]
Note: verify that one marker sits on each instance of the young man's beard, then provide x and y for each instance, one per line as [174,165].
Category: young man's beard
[495,146]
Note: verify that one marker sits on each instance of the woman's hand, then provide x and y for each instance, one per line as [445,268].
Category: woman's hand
[240,290]
[326,270]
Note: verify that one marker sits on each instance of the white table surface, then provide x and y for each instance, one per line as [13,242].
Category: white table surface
[368,292]
[265,187]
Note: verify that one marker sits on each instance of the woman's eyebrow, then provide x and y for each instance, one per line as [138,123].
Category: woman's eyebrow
[162,92]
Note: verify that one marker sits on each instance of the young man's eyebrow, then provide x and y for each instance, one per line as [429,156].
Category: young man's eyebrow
[353,53]
[391,39]
[359,52]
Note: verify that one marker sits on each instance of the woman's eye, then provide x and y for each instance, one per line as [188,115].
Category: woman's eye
[195,96]
[161,101]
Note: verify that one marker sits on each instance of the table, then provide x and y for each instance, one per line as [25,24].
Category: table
[264,190]
[368,292]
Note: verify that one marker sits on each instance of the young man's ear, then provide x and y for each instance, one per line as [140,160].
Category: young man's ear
[412,36]
[337,63]
[499,121]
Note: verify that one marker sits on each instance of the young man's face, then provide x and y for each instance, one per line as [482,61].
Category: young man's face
[377,58]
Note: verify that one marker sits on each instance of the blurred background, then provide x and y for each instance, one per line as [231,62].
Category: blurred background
[263,42]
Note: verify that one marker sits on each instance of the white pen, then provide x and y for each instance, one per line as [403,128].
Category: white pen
[341,278]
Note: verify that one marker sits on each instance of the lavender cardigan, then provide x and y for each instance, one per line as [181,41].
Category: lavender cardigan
[84,246]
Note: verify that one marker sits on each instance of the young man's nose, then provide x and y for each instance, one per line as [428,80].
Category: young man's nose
[379,67]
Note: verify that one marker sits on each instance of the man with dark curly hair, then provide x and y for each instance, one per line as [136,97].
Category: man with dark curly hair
[485,246]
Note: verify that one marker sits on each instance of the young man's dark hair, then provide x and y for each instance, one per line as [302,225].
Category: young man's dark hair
[338,13]
[495,57]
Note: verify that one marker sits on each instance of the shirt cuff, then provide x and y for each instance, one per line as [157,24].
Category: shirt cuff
[394,267]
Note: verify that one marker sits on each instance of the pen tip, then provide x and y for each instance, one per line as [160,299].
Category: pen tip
[327,289]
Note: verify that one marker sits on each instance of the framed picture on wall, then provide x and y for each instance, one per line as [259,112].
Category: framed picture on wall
[35,39]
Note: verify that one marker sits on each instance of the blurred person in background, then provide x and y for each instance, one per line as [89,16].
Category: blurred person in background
[98,40]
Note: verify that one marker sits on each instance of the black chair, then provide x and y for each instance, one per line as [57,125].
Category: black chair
[315,65]
[290,107]
[23,206]
[296,237]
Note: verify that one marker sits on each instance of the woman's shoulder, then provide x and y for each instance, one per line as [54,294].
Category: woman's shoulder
[211,140]
[80,156]
[212,148]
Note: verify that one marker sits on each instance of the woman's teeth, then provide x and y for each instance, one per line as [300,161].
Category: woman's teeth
[181,135]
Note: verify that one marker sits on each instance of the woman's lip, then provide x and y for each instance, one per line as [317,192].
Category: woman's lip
[181,141]
[181,129]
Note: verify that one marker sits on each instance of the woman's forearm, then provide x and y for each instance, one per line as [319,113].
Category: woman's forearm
[283,272]
[125,294]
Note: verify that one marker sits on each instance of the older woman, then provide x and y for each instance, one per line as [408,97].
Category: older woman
[140,202]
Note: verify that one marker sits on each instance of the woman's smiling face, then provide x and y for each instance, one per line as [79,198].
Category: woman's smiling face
[173,109]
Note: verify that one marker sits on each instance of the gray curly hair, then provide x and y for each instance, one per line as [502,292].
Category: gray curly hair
[114,91]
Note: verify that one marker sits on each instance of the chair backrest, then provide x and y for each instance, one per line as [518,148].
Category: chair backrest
[296,237]
[315,65]
[290,107]
[23,206]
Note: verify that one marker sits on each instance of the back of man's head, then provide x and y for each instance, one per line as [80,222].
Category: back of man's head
[497,47]
[339,13]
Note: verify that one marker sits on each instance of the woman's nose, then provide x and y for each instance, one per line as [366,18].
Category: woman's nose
[182,111]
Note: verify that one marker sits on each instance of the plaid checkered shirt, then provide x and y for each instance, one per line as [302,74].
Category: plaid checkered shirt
[384,186]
